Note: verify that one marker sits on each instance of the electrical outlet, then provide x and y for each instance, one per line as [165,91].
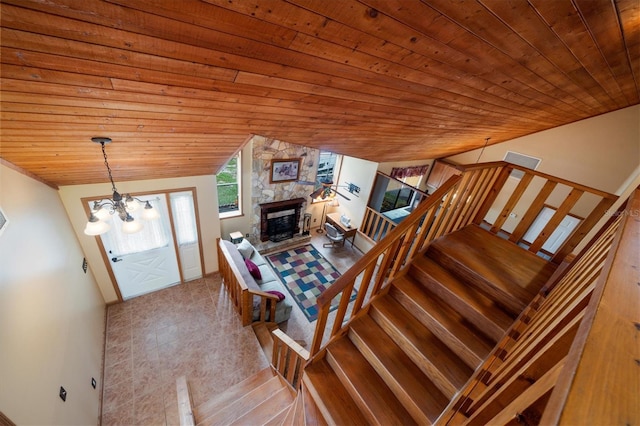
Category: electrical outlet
[513,215]
[63,394]
[93,383]
[315,220]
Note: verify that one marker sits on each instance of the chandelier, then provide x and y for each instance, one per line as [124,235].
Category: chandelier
[122,205]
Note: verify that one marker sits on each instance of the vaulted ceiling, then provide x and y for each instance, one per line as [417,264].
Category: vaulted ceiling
[180,85]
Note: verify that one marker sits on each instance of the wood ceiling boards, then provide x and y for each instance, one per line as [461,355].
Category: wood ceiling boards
[180,85]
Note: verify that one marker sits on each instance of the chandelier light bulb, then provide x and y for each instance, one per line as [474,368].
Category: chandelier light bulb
[131,226]
[95,226]
[149,213]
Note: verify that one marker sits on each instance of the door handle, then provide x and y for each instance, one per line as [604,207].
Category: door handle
[115,259]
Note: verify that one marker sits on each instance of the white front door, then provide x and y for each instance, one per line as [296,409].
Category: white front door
[145,261]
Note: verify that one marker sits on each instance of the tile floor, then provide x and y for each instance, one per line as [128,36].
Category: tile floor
[189,329]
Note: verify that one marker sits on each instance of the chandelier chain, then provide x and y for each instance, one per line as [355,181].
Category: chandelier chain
[106,163]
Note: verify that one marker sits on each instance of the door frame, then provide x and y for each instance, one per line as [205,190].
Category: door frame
[105,258]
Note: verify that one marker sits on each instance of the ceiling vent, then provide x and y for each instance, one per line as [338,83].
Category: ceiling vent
[521,160]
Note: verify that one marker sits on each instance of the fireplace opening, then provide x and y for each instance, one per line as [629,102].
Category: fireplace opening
[281,225]
[280,220]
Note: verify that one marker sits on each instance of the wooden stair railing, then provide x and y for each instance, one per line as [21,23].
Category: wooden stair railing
[462,200]
[288,358]
[542,372]
[240,294]
[185,405]
[601,381]
[535,189]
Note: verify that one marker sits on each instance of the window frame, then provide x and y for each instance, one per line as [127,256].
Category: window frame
[238,211]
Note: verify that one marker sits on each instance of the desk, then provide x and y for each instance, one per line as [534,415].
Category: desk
[334,219]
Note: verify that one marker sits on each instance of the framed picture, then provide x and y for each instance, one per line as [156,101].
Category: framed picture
[285,170]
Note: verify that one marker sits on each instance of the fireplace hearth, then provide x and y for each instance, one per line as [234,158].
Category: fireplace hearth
[280,220]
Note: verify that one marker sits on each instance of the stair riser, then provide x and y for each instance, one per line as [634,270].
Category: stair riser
[397,388]
[353,391]
[510,303]
[478,319]
[429,368]
[440,331]
[233,410]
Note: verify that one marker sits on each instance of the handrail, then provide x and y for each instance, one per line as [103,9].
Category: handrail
[387,254]
[599,356]
[576,194]
[288,357]
[462,200]
[185,407]
[241,295]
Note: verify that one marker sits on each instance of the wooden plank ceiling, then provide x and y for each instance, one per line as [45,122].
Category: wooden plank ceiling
[180,85]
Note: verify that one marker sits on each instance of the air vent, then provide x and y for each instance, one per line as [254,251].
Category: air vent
[521,160]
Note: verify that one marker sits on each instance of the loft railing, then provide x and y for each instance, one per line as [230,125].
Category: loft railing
[567,358]
[513,205]
[485,195]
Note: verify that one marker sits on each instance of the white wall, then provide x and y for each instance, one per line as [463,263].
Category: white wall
[361,173]
[600,152]
[207,196]
[51,312]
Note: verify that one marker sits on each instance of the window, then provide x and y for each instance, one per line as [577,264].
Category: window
[184,217]
[229,189]
[328,171]
[326,166]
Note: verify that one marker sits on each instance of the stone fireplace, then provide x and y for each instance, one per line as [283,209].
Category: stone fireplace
[280,220]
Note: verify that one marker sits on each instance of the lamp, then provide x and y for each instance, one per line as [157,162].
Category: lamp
[333,203]
[120,204]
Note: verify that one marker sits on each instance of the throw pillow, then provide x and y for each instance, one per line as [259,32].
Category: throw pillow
[277,293]
[245,248]
[253,269]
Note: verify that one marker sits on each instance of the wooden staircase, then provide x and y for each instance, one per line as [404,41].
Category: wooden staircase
[264,398]
[408,355]
[455,325]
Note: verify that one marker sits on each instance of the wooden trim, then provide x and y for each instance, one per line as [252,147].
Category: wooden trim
[174,236]
[103,253]
[5,421]
[614,305]
[27,173]
[185,407]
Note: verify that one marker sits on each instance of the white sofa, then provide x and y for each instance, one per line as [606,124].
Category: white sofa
[251,295]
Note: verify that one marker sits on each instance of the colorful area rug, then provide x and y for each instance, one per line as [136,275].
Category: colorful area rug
[306,274]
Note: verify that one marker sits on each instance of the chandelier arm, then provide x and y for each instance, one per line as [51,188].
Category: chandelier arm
[105,203]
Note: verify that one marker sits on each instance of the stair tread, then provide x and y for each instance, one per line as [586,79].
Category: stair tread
[274,406]
[515,275]
[464,298]
[374,398]
[230,408]
[422,399]
[442,321]
[311,412]
[218,402]
[330,397]
[263,331]
[434,358]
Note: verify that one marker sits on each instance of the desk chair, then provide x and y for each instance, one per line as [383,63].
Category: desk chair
[335,237]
